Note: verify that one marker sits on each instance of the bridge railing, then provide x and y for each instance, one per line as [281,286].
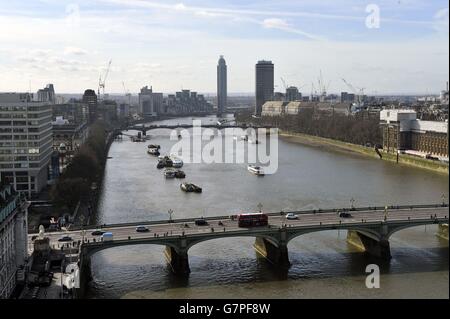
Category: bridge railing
[280,213]
[270,230]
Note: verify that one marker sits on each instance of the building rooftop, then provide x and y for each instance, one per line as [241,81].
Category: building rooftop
[15,97]
[408,121]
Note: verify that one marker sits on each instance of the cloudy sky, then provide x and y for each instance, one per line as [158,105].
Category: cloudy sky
[175,44]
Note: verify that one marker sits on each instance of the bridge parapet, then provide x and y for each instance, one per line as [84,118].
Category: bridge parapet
[391,208]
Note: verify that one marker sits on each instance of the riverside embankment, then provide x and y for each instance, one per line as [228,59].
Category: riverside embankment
[403,159]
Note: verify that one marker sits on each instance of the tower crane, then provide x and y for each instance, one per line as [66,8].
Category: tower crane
[102,83]
[284,83]
[127,93]
[313,91]
[322,87]
[359,92]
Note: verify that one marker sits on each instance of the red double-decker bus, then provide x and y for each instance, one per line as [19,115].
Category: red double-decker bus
[250,220]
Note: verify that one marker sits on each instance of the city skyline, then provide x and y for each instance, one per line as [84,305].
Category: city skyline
[407,54]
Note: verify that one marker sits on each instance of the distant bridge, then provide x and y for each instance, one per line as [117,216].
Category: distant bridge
[145,128]
[368,228]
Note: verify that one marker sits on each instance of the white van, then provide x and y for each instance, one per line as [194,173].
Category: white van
[107,237]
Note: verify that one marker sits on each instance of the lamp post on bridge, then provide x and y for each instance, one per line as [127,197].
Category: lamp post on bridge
[260,206]
[170,212]
[352,203]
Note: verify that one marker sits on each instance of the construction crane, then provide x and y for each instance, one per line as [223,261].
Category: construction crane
[127,93]
[313,91]
[102,83]
[322,87]
[359,92]
[284,83]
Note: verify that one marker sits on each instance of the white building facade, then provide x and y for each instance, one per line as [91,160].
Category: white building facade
[13,238]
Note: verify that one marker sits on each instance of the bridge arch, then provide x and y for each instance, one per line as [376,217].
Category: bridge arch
[269,238]
[365,231]
[395,229]
[90,251]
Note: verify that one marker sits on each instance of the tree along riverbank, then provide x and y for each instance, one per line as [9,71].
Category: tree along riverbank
[77,189]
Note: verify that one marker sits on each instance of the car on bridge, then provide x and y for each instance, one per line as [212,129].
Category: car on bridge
[142,229]
[65,238]
[201,222]
[291,216]
[345,214]
[108,236]
[98,232]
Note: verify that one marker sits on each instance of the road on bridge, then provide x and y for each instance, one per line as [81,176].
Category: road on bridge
[304,220]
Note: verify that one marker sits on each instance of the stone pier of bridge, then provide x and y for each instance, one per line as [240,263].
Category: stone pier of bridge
[178,258]
[379,248]
[275,254]
[442,231]
[375,243]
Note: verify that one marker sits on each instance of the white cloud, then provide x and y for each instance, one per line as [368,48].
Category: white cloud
[75,51]
[180,6]
[205,13]
[275,23]
[441,18]
[280,24]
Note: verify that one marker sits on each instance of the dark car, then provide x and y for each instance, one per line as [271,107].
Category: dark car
[345,215]
[201,222]
[65,238]
[97,232]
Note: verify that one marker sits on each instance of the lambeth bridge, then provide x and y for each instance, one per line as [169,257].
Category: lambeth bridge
[368,228]
[145,128]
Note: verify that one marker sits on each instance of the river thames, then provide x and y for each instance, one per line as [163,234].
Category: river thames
[323,264]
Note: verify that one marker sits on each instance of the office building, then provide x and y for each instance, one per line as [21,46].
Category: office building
[221,86]
[347,97]
[90,99]
[264,84]
[403,131]
[47,94]
[292,94]
[186,102]
[150,103]
[25,141]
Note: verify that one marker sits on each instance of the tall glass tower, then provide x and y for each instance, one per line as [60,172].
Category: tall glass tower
[264,84]
[221,86]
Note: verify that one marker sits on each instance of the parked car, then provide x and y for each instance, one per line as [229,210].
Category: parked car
[201,222]
[142,229]
[65,238]
[97,232]
[291,216]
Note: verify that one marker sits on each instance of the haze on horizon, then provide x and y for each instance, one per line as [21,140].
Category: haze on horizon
[172,45]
